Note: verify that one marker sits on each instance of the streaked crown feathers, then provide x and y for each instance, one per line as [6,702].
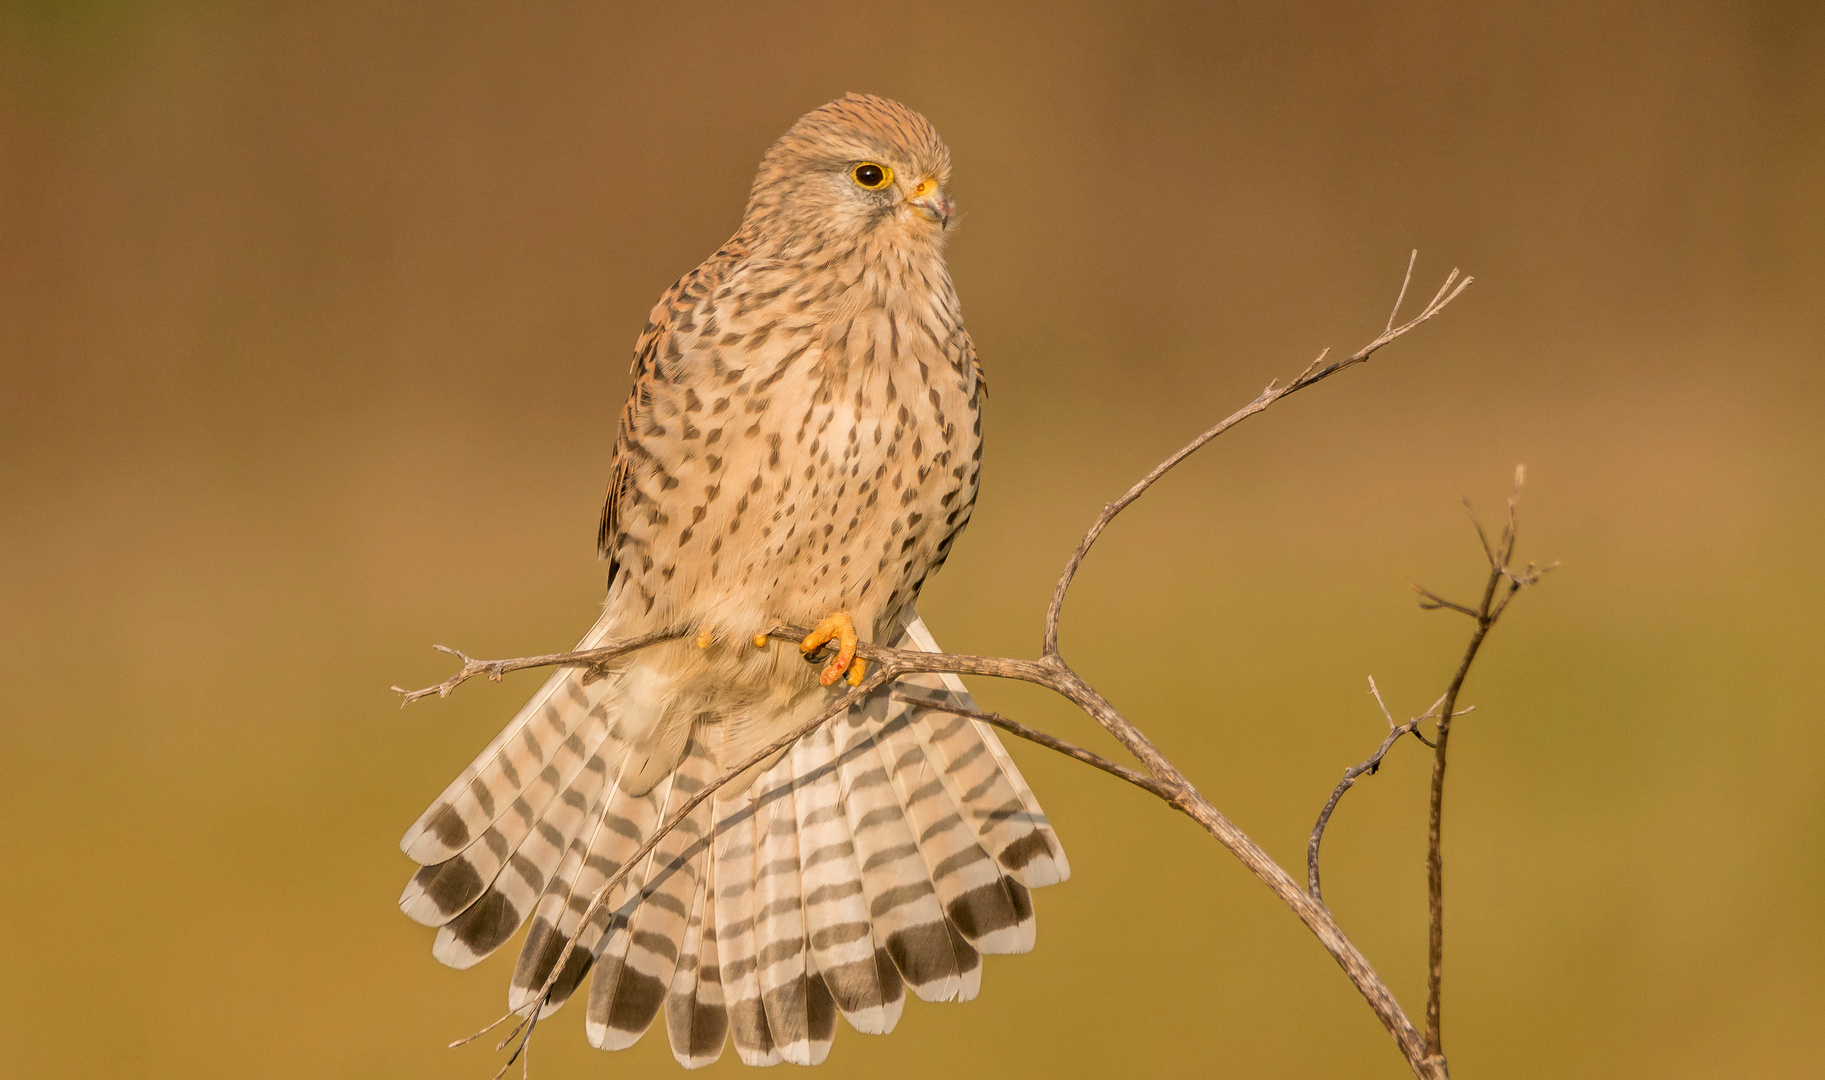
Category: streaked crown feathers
[804,186]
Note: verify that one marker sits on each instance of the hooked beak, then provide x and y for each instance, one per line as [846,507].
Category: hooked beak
[930,201]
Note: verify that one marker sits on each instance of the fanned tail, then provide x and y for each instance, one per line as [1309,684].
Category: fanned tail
[886,851]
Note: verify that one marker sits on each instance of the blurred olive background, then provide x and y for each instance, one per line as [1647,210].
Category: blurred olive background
[315,318]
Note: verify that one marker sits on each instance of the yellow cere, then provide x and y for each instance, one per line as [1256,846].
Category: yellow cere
[925,188]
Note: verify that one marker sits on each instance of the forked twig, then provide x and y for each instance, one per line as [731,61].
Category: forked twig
[1395,733]
[1493,603]
[1313,373]
[494,669]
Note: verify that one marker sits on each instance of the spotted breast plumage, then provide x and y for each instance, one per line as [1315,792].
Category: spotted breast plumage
[801,446]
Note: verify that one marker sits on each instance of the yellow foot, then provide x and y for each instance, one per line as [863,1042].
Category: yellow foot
[760,641]
[705,639]
[836,628]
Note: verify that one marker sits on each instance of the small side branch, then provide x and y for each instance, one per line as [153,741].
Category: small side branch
[1052,742]
[1316,371]
[494,669]
[1395,733]
[1499,588]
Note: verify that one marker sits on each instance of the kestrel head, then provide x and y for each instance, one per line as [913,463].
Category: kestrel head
[850,169]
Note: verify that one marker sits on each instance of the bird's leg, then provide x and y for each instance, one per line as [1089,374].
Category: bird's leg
[836,628]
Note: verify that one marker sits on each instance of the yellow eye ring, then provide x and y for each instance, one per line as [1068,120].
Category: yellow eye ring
[870,176]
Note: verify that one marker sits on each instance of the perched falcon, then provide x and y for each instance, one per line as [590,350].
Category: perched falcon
[801,446]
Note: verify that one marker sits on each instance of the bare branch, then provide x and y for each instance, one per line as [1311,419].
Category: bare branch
[1274,392]
[1487,612]
[1370,766]
[1349,781]
[474,1035]
[1408,280]
[1375,692]
[1432,601]
[1051,742]
[494,669]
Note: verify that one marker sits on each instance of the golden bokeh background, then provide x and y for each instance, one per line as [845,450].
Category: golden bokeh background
[314,320]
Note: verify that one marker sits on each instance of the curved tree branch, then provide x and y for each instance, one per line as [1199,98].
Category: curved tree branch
[1274,392]
[1160,777]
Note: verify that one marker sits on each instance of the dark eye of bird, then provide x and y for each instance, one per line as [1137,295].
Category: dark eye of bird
[871,176]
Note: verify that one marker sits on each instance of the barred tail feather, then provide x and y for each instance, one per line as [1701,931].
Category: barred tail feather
[903,907]
[623,825]
[982,775]
[861,977]
[779,915]
[884,852]
[634,970]
[959,870]
[696,1023]
[543,816]
[626,823]
[737,911]
[544,943]
[489,786]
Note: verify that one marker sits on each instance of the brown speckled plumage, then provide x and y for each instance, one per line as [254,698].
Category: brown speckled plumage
[803,438]
[804,433]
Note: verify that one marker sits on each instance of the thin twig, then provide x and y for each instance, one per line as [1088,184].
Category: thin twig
[494,669]
[474,1035]
[1051,742]
[522,1052]
[1375,692]
[1493,603]
[1412,258]
[1274,392]
[1431,601]
[1370,766]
